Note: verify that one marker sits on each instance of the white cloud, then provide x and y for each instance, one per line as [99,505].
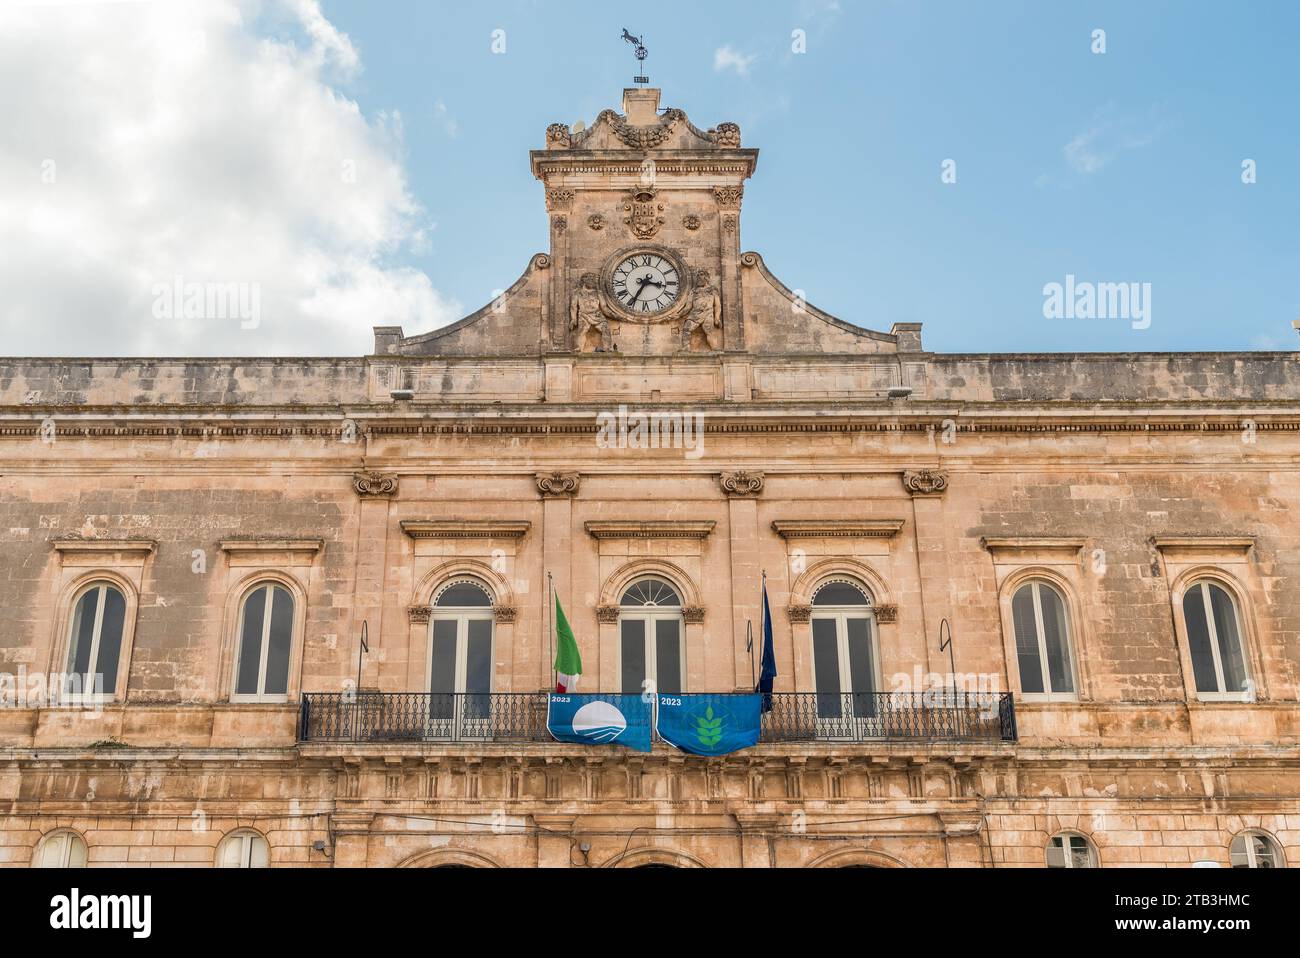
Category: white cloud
[146,142]
[726,58]
[1104,140]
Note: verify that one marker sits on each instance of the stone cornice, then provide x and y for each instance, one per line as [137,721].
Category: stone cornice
[837,528]
[465,528]
[1204,545]
[72,546]
[272,545]
[655,529]
[1010,547]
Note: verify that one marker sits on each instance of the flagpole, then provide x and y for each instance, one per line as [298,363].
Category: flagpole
[550,633]
[749,647]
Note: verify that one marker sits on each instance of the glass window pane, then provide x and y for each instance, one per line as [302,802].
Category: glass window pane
[839,593]
[279,642]
[862,671]
[1239,857]
[1225,624]
[442,676]
[651,592]
[76,851]
[1022,615]
[1080,854]
[826,667]
[1056,853]
[1054,635]
[1198,640]
[464,595]
[668,655]
[83,632]
[632,656]
[259,852]
[110,639]
[478,657]
[250,643]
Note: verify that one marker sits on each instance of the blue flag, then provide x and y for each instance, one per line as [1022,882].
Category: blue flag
[592,719]
[768,672]
[708,724]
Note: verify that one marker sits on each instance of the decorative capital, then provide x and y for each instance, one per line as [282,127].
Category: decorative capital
[558,483]
[741,483]
[559,199]
[729,197]
[419,613]
[504,613]
[925,482]
[374,484]
[799,613]
[886,614]
[693,613]
[607,614]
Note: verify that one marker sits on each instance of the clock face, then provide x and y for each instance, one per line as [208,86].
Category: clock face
[645,283]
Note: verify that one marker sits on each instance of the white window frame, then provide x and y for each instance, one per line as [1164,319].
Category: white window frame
[840,614]
[1279,856]
[650,614]
[461,615]
[1040,634]
[246,837]
[102,586]
[260,696]
[1094,861]
[1202,585]
[68,839]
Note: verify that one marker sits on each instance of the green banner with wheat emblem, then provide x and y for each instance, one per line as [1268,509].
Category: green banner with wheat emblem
[709,724]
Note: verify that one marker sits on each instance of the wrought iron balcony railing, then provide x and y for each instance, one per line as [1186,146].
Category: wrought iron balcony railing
[521,717]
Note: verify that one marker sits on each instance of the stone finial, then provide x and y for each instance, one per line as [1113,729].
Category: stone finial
[741,483]
[374,484]
[727,135]
[925,482]
[799,613]
[555,484]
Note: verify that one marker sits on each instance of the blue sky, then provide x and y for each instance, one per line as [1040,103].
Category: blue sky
[348,164]
[1118,167]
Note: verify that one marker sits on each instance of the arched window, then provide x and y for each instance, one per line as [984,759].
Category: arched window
[460,660]
[95,640]
[61,849]
[1214,640]
[846,666]
[1255,850]
[265,641]
[650,637]
[1042,640]
[244,848]
[1069,850]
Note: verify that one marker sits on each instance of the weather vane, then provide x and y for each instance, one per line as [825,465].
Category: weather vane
[641,54]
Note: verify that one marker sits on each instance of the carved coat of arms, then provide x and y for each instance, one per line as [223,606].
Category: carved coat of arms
[643,209]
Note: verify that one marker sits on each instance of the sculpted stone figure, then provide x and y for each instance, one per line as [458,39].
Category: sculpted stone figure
[586,313]
[705,313]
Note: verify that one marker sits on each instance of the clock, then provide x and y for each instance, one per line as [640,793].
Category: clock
[645,283]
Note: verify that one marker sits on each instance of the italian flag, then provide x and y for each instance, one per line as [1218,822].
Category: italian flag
[568,662]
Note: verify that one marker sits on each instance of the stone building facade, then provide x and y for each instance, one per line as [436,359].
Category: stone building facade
[645,423]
